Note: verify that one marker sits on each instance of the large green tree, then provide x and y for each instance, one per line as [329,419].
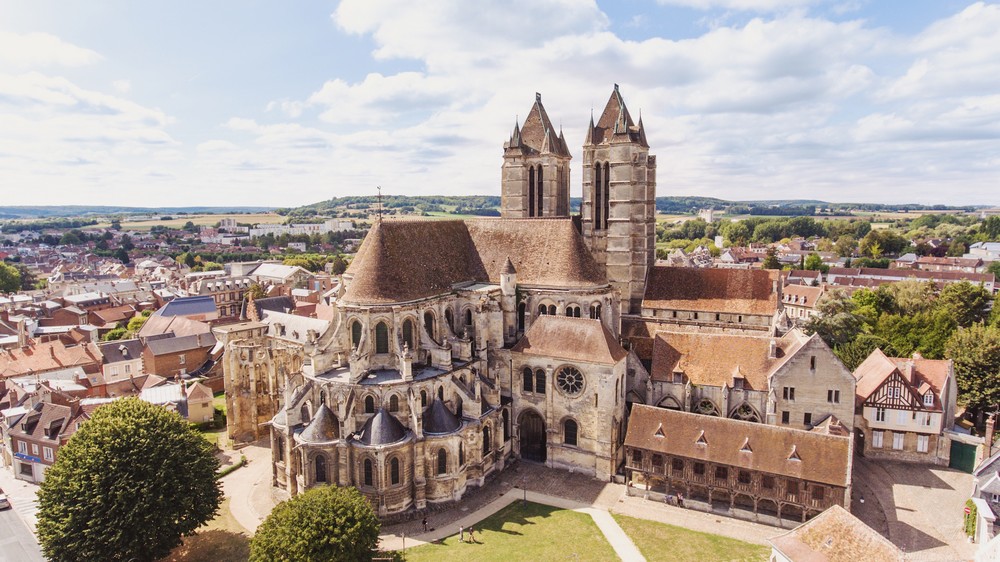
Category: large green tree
[10,278]
[128,484]
[966,303]
[837,323]
[976,353]
[325,523]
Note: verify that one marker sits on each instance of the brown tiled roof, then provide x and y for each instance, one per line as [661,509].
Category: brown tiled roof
[408,260]
[177,325]
[47,356]
[113,315]
[45,420]
[807,295]
[920,373]
[836,536]
[573,339]
[736,291]
[824,458]
[198,391]
[714,359]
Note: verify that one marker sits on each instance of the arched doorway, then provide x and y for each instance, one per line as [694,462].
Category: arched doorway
[532,437]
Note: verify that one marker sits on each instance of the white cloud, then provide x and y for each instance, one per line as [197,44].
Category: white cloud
[32,50]
[742,5]
[122,86]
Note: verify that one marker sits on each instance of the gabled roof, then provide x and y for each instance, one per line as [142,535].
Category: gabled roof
[734,291]
[47,356]
[822,458]
[401,261]
[835,536]
[713,359]
[165,346]
[120,350]
[188,306]
[381,429]
[572,339]
[918,374]
[277,271]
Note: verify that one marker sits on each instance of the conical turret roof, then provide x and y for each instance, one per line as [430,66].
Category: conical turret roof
[438,419]
[322,429]
[381,429]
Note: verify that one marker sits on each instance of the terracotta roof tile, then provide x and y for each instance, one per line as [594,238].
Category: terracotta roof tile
[836,536]
[401,261]
[573,339]
[737,291]
[824,458]
[713,359]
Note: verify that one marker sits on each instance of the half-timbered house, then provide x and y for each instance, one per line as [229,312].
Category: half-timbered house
[903,407]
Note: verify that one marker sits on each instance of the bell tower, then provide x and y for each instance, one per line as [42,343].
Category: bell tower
[619,200]
[535,172]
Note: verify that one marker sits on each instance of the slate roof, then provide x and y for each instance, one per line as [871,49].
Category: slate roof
[381,429]
[276,271]
[537,134]
[438,419]
[165,346]
[188,306]
[714,359]
[120,350]
[823,458]
[272,304]
[573,339]
[615,119]
[401,261]
[323,428]
[835,536]
[734,291]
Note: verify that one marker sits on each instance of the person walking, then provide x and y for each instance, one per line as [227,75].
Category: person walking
[461,534]
[425,524]
[472,536]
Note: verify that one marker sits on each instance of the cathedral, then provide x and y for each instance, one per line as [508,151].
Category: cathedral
[459,346]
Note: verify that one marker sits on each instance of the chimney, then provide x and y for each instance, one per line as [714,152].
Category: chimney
[22,334]
[990,421]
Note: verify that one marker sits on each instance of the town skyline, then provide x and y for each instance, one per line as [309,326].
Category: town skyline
[287,106]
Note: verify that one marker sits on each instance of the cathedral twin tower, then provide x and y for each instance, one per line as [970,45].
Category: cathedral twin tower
[619,189]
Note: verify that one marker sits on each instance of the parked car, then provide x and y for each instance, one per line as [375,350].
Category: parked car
[4,502]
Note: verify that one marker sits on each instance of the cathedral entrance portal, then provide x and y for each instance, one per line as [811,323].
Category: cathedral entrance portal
[532,429]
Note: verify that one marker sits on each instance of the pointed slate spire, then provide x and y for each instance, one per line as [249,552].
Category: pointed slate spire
[642,133]
[508,267]
[590,130]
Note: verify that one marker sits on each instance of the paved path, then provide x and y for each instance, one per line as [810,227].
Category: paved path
[17,543]
[917,507]
[249,488]
[22,495]
[623,545]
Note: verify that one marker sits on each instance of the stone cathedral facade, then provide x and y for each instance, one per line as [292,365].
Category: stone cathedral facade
[458,346]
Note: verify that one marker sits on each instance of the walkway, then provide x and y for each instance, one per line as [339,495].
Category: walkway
[249,488]
[617,538]
[22,496]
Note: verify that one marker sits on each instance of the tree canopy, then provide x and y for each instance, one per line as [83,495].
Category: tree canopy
[10,278]
[976,353]
[129,483]
[325,523]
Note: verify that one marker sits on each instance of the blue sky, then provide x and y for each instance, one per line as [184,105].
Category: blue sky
[266,103]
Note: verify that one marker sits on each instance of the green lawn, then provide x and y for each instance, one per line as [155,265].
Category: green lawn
[219,401]
[524,532]
[660,542]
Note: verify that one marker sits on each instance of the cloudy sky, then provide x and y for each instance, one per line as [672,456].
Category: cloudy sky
[289,103]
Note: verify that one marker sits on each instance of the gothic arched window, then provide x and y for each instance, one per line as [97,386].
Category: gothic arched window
[381,338]
[468,317]
[598,198]
[531,191]
[304,413]
[542,310]
[442,461]
[369,405]
[429,324]
[487,442]
[520,316]
[552,310]
[394,470]
[461,455]
[449,318]
[540,191]
[540,381]
[394,403]
[569,432]
[423,398]
[408,338]
[368,472]
[355,334]
[320,468]
[606,202]
[528,378]
[506,426]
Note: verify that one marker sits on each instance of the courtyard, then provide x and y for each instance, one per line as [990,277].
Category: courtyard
[917,507]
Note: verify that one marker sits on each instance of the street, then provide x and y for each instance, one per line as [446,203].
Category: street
[17,544]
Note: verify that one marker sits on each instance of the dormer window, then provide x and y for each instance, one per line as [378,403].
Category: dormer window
[929,398]
[701,440]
